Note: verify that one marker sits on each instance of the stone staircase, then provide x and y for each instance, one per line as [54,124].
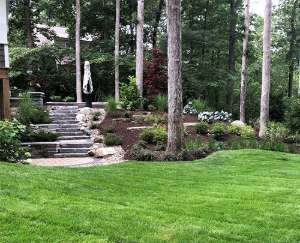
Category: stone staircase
[72,142]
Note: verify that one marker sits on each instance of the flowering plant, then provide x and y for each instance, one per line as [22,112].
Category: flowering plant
[217,116]
[189,109]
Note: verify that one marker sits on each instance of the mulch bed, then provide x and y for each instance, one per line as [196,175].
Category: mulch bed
[131,137]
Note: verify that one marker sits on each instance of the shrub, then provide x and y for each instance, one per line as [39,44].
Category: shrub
[154,135]
[193,144]
[292,139]
[156,75]
[55,98]
[29,113]
[217,116]
[112,139]
[199,105]
[276,132]
[141,153]
[40,136]
[218,130]
[161,103]
[111,106]
[155,119]
[112,128]
[10,146]
[247,132]
[96,116]
[69,99]
[130,97]
[234,129]
[127,114]
[202,128]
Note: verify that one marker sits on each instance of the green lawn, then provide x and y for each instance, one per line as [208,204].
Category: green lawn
[230,196]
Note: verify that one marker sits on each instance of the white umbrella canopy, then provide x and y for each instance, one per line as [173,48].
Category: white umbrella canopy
[87,79]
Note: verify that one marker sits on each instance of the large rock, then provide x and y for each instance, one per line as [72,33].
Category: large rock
[238,123]
[104,152]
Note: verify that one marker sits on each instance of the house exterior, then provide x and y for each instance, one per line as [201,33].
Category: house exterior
[4,61]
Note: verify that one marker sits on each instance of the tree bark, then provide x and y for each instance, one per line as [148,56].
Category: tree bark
[28,24]
[299,74]
[156,23]
[175,125]
[231,52]
[265,92]
[117,52]
[77,47]
[244,74]
[292,49]
[140,47]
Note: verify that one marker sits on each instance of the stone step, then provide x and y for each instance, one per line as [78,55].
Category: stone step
[73,137]
[64,130]
[73,150]
[80,133]
[59,126]
[65,122]
[74,145]
[70,155]
[62,117]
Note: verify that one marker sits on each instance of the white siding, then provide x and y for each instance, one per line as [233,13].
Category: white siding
[3,22]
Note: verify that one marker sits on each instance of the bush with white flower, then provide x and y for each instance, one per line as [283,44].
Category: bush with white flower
[189,109]
[217,116]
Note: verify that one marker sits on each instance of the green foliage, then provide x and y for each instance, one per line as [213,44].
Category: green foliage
[193,144]
[155,119]
[202,128]
[29,113]
[95,125]
[276,132]
[139,152]
[129,95]
[112,139]
[111,107]
[200,105]
[161,103]
[155,135]
[10,146]
[234,129]
[247,132]
[218,130]
[292,115]
[55,98]
[69,99]
[96,116]
[39,136]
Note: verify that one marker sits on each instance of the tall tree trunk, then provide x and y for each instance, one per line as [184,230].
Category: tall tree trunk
[299,74]
[244,74]
[156,23]
[205,28]
[140,47]
[117,52]
[77,40]
[175,125]
[132,41]
[292,49]
[265,92]
[231,52]
[28,24]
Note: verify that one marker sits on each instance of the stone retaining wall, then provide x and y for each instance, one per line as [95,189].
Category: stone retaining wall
[43,149]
